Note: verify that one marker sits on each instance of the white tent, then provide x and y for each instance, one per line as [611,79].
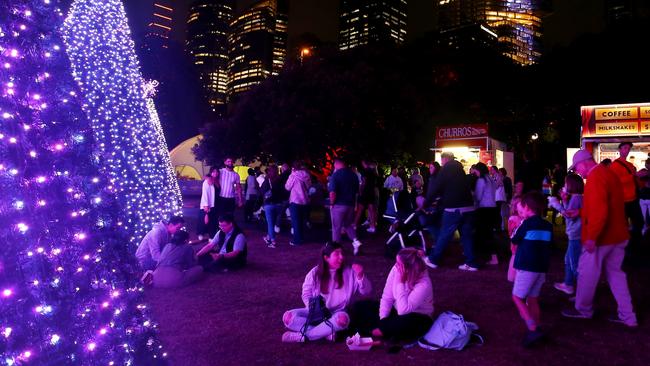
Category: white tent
[184,162]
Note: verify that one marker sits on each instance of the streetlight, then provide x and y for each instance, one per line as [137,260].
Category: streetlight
[304,52]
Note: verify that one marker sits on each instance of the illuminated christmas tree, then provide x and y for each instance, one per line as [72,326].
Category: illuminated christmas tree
[68,278]
[104,62]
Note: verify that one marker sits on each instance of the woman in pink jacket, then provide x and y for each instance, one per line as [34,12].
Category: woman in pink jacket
[406,305]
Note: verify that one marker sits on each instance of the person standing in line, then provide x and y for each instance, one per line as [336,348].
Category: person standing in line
[298,184]
[604,237]
[343,190]
[230,193]
[207,223]
[486,213]
[626,173]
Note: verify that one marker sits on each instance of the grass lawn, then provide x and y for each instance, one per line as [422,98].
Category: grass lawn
[235,318]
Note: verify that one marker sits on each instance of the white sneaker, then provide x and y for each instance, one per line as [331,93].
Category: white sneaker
[466,267]
[292,337]
[276,229]
[561,286]
[370,230]
[429,264]
[356,244]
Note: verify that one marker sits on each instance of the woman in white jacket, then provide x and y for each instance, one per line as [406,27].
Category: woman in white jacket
[406,304]
[336,283]
[207,223]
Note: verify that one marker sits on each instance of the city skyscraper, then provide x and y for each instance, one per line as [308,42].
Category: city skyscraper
[257,44]
[371,21]
[159,26]
[518,24]
[208,26]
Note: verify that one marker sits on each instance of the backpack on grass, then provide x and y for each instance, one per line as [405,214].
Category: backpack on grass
[449,331]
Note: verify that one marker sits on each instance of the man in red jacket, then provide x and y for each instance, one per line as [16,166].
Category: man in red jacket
[604,237]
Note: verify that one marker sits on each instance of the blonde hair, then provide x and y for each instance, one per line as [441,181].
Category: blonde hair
[413,261]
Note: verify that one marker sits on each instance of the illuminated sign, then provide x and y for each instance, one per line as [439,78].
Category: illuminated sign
[461,132]
[615,120]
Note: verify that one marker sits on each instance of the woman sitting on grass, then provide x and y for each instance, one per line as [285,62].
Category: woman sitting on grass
[177,265]
[406,305]
[336,283]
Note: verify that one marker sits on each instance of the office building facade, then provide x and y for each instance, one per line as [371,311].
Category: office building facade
[363,22]
[257,45]
[208,27]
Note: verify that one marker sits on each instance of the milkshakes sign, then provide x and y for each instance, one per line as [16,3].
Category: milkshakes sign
[616,120]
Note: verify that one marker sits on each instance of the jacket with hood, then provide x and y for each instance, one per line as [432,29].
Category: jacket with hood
[298,185]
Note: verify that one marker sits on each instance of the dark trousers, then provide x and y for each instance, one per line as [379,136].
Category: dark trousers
[225,205]
[211,227]
[635,217]
[299,214]
[405,327]
[485,221]
[209,264]
[452,221]
[250,207]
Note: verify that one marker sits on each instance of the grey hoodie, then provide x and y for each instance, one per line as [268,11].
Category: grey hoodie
[297,184]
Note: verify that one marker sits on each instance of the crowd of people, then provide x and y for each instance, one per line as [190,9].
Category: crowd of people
[602,217]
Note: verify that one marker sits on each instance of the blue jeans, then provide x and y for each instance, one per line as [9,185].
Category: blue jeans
[452,221]
[271,212]
[571,259]
[298,216]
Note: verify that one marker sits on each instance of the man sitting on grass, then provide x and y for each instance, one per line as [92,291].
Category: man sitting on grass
[227,250]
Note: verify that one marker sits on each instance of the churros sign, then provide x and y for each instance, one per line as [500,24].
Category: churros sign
[461,132]
[616,120]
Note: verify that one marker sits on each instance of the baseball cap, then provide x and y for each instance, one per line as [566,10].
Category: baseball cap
[580,156]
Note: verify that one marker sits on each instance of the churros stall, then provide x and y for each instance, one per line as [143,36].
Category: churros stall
[606,126]
[472,144]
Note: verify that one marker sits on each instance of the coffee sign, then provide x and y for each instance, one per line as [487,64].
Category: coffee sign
[616,120]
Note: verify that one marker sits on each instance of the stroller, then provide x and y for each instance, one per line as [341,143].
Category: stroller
[404,221]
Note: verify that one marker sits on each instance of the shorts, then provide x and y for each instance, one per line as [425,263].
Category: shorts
[368,198]
[528,284]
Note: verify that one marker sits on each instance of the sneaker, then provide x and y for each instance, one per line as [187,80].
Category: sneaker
[429,264]
[467,267]
[276,229]
[147,278]
[532,338]
[356,244]
[271,244]
[616,319]
[573,313]
[371,230]
[366,223]
[561,286]
[292,337]
[294,244]
[267,240]
[494,261]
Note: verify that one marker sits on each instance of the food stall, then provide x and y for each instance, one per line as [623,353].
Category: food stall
[470,144]
[605,126]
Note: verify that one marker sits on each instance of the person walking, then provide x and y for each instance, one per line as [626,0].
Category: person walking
[455,191]
[343,190]
[604,237]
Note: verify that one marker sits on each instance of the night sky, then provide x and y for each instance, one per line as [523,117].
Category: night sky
[570,18]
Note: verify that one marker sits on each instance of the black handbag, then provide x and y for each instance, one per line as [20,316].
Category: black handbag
[318,313]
